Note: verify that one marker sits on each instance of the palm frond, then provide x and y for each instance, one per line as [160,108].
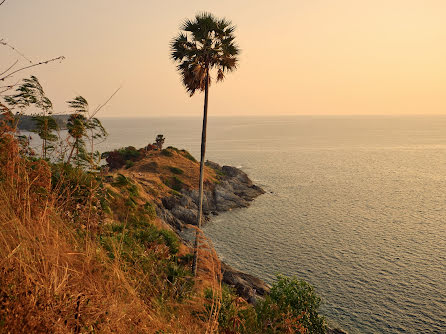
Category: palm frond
[204,44]
[79,104]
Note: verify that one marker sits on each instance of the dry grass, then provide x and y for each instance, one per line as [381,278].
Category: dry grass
[151,178]
[53,280]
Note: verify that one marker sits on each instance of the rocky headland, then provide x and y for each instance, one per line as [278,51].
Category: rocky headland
[169,178]
[233,189]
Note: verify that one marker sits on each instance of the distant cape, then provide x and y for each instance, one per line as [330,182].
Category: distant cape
[27,123]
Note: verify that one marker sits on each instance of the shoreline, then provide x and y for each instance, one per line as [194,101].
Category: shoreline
[236,191]
[168,179]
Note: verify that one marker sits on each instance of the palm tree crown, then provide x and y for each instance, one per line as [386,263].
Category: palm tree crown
[205,43]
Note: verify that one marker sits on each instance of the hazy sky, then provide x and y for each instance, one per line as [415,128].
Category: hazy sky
[298,57]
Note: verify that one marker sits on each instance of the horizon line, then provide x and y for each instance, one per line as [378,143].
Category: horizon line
[279,115]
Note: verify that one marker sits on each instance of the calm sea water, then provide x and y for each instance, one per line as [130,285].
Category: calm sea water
[354,205]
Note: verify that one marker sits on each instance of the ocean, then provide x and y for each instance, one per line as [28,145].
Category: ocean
[355,205]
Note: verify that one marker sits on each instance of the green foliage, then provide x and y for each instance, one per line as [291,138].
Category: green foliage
[129,164]
[175,193]
[181,281]
[136,241]
[204,43]
[167,153]
[291,307]
[77,130]
[295,298]
[171,240]
[83,127]
[220,173]
[121,180]
[121,157]
[31,93]
[129,152]
[173,149]
[79,105]
[159,141]
[174,183]
[149,210]
[189,156]
[235,315]
[45,127]
[176,170]
[129,190]
[80,189]
[177,184]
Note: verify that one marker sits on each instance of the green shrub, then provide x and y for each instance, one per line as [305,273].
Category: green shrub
[291,307]
[177,184]
[186,259]
[181,281]
[133,190]
[147,235]
[189,156]
[121,181]
[129,163]
[129,152]
[152,167]
[119,158]
[175,193]
[167,153]
[79,189]
[176,170]
[171,241]
[174,183]
[293,298]
[235,315]
[173,148]
[149,210]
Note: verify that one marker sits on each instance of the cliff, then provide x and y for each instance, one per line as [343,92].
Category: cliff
[169,178]
[232,189]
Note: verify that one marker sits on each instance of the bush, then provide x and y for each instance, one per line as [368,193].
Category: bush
[293,299]
[123,157]
[181,282]
[149,210]
[291,307]
[121,181]
[189,156]
[235,315]
[176,170]
[167,153]
[171,240]
[173,148]
[174,183]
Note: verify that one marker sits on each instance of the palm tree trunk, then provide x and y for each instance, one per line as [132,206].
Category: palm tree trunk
[200,189]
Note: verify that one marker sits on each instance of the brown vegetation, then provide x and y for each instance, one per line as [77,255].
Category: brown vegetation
[154,170]
[56,277]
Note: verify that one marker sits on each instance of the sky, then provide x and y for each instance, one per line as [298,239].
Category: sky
[318,57]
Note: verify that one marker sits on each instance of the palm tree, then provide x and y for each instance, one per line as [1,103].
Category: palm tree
[205,44]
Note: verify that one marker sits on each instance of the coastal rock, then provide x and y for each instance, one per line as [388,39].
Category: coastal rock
[247,286]
[233,190]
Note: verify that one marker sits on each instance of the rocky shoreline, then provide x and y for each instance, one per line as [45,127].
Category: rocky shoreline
[233,190]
